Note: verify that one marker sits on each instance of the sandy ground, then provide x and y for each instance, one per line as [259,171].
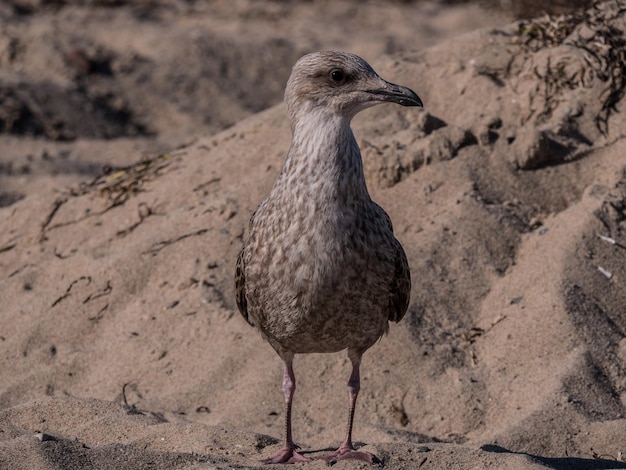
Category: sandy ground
[138,137]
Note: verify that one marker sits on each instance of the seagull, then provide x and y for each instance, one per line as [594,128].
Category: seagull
[321,270]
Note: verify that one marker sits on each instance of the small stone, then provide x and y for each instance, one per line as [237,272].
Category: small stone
[43,437]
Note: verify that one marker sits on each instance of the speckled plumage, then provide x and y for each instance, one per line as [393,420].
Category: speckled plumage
[321,270]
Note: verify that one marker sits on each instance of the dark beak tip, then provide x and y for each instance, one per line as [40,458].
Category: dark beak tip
[413,102]
[412,99]
[399,94]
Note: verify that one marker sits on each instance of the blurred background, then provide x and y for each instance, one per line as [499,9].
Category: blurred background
[77,76]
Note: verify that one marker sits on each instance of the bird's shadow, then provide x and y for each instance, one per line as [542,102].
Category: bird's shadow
[561,463]
[317,451]
[324,454]
[329,449]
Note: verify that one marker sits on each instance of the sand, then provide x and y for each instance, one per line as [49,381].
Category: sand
[124,200]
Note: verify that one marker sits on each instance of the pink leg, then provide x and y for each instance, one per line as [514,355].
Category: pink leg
[288,453]
[347,450]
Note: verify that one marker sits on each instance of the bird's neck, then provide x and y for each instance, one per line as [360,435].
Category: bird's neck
[324,159]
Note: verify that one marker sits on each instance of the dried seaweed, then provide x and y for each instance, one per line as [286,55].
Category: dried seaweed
[120,183]
[117,186]
[603,43]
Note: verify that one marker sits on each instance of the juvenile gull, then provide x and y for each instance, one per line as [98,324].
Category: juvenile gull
[321,270]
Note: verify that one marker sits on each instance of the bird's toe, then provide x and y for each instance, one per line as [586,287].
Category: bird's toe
[350,454]
[286,455]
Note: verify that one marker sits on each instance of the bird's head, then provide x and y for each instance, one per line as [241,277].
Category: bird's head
[340,83]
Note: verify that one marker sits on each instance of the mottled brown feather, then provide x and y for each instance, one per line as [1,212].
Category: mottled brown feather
[400,289]
[240,288]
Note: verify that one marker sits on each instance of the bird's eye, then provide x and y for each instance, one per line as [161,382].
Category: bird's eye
[337,75]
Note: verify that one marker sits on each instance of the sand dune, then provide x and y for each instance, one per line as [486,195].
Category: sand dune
[121,344]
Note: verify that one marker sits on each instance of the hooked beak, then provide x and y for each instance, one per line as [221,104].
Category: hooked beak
[396,94]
